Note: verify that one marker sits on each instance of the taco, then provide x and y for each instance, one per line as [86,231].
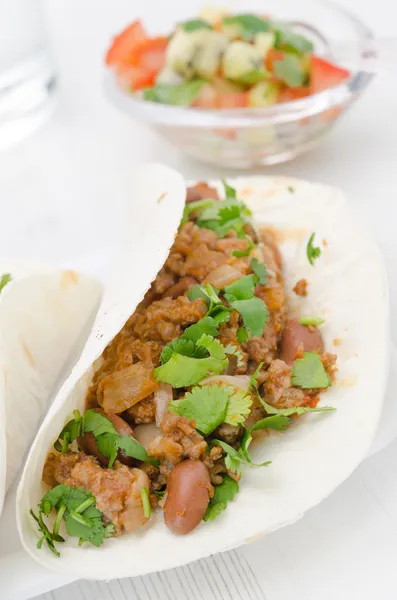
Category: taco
[193,431]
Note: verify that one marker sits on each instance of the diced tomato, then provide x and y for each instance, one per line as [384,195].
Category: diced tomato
[124,44]
[324,75]
[135,78]
[289,94]
[151,53]
[232,100]
[207,98]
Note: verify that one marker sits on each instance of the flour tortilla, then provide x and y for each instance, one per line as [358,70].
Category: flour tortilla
[45,319]
[347,286]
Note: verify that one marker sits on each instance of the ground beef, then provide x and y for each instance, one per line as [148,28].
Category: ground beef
[215,464]
[142,412]
[228,433]
[117,491]
[278,389]
[300,288]
[180,440]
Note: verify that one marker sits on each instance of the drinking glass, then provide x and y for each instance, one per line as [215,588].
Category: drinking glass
[27,78]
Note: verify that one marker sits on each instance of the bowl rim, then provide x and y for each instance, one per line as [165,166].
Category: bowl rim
[250,117]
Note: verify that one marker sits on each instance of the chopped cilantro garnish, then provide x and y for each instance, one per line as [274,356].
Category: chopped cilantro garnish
[4,280]
[184,371]
[253,311]
[294,410]
[242,335]
[316,321]
[248,25]
[193,206]
[195,24]
[241,253]
[235,459]
[238,407]
[230,192]
[289,70]
[223,494]
[108,441]
[77,508]
[226,215]
[289,41]
[230,349]
[260,271]
[291,189]
[145,502]
[279,422]
[206,406]
[313,252]
[309,372]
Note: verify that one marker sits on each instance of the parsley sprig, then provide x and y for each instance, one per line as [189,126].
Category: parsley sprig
[108,441]
[77,508]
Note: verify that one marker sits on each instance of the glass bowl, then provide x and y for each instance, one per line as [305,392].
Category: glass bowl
[249,137]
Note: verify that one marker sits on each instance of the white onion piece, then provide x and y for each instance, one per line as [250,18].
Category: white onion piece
[145,433]
[241,382]
[162,398]
[223,276]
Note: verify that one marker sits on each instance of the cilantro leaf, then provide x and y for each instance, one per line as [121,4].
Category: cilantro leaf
[195,24]
[316,321]
[96,423]
[226,215]
[242,289]
[197,291]
[223,494]
[242,335]
[206,325]
[183,347]
[241,253]
[260,271]
[278,422]
[230,349]
[294,410]
[253,383]
[235,459]
[289,41]
[193,206]
[5,279]
[238,407]
[205,405]
[77,508]
[182,371]
[213,346]
[131,447]
[291,189]
[313,252]
[183,94]
[107,444]
[289,70]
[309,372]
[230,192]
[254,314]
[69,433]
[248,25]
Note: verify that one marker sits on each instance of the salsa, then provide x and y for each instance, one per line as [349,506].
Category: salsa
[221,61]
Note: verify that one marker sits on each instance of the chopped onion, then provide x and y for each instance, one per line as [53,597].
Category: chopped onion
[223,276]
[145,433]
[162,398]
[241,382]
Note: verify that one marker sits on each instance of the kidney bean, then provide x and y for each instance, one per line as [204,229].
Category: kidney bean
[296,335]
[87,442]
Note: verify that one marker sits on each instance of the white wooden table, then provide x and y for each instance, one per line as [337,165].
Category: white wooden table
[62,194]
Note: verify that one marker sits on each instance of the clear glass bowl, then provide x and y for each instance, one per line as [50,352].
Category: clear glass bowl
[249,137]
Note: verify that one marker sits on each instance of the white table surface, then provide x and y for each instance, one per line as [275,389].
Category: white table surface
[62,194]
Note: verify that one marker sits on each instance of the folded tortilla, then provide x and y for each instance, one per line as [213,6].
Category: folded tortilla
[45,319]
[348,287]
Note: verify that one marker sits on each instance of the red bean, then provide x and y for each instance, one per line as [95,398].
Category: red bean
[296,335]
[188,495]
[88,444]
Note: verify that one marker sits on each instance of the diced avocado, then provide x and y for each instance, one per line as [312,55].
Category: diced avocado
[168,76]
[240,60]
[208,58]
[212,14]
[196,53]
[182,49]
[264,41]
[263,94]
